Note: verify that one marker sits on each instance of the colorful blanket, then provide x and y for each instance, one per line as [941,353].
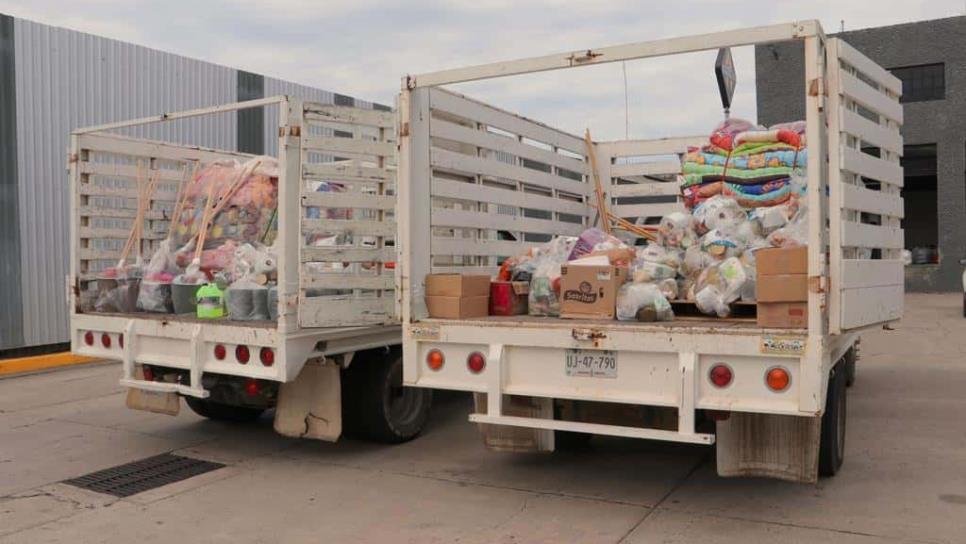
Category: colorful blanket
[768,196]
[769,159]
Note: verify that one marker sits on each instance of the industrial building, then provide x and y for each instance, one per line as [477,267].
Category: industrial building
[929,58]
[53,80]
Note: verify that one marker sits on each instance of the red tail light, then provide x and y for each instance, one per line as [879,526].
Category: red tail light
[106,340]
[242,354]
[148,373]
[267,356]
[89,338]
[476,362]
[435,359]
[720,375]
[252,388]
[220,352]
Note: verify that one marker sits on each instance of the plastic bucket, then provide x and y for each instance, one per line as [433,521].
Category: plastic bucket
[183,299]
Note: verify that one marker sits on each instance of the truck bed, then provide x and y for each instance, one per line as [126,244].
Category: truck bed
[682,324]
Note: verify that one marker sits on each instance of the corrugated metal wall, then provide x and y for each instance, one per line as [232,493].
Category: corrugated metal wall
[66,80]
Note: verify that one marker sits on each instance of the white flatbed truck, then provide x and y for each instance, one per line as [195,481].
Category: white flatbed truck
[470,173]
[326,356]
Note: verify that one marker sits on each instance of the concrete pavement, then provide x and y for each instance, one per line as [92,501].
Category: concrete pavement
[904,478]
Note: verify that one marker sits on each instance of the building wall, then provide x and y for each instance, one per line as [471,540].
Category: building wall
[53,80]
[780,80]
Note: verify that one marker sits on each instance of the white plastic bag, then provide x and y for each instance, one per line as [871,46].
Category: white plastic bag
[643,302]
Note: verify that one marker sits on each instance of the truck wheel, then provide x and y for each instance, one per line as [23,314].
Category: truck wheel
[222,412]
[375,404]
[831,451]
[849,359]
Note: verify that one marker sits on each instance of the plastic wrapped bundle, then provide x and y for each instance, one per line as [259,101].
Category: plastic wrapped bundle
[247,301]
[718,212]
[544,297]
[675,231]
[155,290]
[591,239]
[251,190]
[117,289]
[643,302]
[718,286]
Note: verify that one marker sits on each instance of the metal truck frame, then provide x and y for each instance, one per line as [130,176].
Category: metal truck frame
[469,172]
[316,337]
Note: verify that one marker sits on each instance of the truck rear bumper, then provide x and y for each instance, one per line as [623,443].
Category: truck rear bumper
[190,345]
[656,366]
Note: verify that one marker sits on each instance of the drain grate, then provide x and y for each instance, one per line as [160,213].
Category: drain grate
[150,473]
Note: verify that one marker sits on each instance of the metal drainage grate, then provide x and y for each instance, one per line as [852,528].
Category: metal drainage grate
[150,473]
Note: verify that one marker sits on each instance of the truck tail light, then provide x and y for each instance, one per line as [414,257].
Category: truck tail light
[476,362]
[435,359]
[220,352]
[89,338]
[267,356]
[721,375]
[242,354]
[777,378]
[106,340]
[252,388]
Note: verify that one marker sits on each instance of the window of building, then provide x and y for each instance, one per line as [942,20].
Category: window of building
[923,82]
[921,200]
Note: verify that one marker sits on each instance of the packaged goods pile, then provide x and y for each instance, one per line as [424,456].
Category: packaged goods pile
[218,257]
[743,192]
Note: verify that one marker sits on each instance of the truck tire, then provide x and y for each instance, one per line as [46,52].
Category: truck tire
[831,451]
[376,406]
[223,412]
[849,359]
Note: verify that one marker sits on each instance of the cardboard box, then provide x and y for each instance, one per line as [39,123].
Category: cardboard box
[457,285]
[786,315]
[782,288]
[590,291]
[778,260]
[509,297]
[457,307]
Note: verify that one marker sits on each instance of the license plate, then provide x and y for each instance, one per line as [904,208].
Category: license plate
[591,363]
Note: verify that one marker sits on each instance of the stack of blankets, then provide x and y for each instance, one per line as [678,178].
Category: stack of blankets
[749,163]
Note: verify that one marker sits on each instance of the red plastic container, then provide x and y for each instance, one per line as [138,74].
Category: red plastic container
[509,297]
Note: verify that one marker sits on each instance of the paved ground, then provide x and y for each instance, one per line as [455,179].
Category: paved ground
[904,479]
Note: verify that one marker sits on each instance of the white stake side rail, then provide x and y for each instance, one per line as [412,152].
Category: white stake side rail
[103,169]
[523,354]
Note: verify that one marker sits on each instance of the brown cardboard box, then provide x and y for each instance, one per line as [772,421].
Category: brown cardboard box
[782,288]
[457,285]
[457,307]
[786,315]
[589,291]
[779,260]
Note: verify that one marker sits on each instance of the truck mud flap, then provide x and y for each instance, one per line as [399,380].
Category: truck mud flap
[152,401]
[517,439]
[311,406]
[768,445]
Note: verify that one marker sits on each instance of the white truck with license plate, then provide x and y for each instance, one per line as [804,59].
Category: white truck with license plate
[479,184]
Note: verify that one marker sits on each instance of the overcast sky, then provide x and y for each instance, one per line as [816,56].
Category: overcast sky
[363,47]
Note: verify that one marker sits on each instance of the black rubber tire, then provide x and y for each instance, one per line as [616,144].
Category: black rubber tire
[849,359]
[223,412]
[376,406]
[831,452]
